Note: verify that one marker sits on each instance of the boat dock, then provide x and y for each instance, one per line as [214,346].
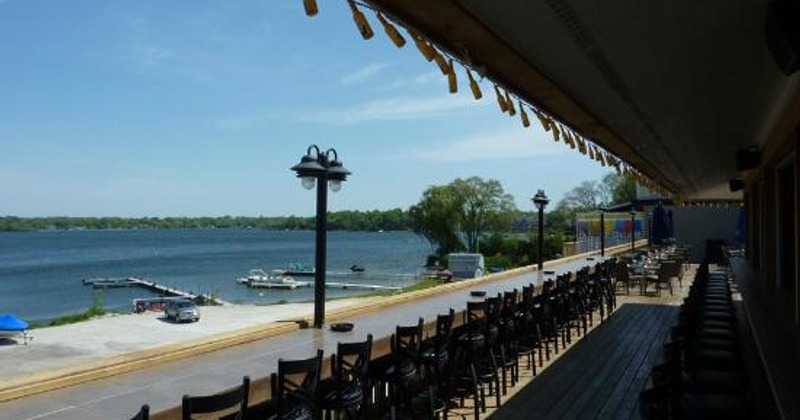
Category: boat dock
[329,285]
[110,282]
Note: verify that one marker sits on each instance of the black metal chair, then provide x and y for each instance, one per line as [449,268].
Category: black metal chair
[461,378]
[437,354]
[436,360]
[143,414]
[347,390]
[406,345]
[295,389]
[481,352]
[225,401]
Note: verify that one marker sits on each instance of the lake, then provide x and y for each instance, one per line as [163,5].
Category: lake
[41,272]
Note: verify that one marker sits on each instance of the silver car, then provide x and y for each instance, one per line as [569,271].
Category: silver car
[181,310]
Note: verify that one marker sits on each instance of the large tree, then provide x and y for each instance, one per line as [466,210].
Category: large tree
[619,188]
[434,218]
[465,208]
[484,207]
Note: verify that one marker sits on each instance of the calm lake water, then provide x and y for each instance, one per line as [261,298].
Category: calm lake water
[41,272]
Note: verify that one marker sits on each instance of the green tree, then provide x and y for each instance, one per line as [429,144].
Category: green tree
[468,207]
[435,218]
[620,189]
[484,207]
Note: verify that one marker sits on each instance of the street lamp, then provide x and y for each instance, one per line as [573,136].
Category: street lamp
[633,230]
[540,201]
[603,211]
[325,170]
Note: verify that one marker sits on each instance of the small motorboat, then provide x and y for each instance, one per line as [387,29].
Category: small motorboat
[12,327]
[275,279]
[297,269]
[355,268]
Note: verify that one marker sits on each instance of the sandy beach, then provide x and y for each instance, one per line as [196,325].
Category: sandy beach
[61,347]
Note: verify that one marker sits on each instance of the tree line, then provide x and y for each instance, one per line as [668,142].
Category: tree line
[395,219]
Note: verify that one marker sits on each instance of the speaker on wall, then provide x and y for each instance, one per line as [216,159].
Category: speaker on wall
[783,34]
[747,158]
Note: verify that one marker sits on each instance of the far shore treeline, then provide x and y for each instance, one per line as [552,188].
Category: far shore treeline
[348,220]
[395,219]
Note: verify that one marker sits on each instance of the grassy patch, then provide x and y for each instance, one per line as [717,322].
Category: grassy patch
[425,283]
[95,311]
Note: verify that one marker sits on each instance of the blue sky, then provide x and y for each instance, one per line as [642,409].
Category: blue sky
[199,108]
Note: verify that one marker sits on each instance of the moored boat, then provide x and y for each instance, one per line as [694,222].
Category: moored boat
[275,279]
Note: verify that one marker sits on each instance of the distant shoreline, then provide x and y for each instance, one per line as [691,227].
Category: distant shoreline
[347,220]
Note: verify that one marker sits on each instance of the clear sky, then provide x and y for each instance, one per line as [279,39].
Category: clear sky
[199,108]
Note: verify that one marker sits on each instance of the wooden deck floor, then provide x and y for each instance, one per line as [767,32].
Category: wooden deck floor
[600,376]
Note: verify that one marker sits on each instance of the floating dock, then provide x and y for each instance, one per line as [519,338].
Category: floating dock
[329,285]
[111,282]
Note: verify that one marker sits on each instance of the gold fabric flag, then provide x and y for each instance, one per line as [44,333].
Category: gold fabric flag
[442,63]
[361,21]
[511,110]
[542,120]
[473,85]
[452,83]
[424,48]
[556,132]
[500,100]
[311,7]
[523,116]
[391,32]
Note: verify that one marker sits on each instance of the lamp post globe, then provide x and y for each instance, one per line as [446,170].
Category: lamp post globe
[325,171]
[540,200]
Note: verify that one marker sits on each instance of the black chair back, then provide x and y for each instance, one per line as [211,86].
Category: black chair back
[407,341]
[351,361]
[143,414]
[475,316]
[444,329]
[296,387]
[227,400]
[350,381]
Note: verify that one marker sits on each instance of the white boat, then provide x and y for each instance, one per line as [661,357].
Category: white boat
[275,279]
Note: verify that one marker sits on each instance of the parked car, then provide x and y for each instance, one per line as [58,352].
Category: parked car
[181,310]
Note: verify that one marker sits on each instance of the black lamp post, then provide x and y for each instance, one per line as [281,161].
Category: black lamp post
[603,231]
[322,169]
[633,230]
[540,201]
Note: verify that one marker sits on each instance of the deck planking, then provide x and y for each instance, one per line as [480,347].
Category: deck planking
[600,376]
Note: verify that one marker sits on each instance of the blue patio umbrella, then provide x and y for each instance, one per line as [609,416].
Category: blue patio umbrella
[671,224]
[660,225]
[739,233]
[9,322]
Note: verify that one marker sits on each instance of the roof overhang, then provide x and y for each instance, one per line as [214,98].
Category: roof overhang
[674,89]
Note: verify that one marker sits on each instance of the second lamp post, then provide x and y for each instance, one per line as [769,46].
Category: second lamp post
[322,169]
[540,201]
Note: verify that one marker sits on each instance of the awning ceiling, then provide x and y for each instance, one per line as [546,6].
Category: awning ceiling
[673,88]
